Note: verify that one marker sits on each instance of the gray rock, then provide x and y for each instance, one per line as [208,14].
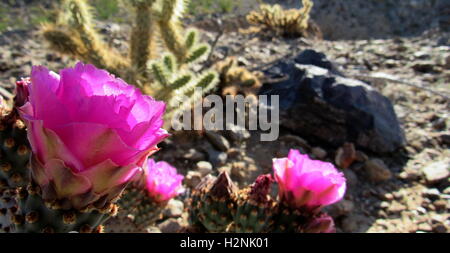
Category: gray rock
[437,171]
[343,207]
[193,178]
[194,155]
[237,133]
[171,225]
[217,140]
[319,152]
[423,66]
[174,208]
[345,155]
[377,171]
[217,158]
[432,193]
[204,168]
[153,230]
[317,101]
[447,190]
[350,176]
[439,228]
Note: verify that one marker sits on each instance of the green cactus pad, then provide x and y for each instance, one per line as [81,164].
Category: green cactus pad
[137,211]
[212,203]
[288,220]
[8,208]
[14,151]
[254,207]
[37,216]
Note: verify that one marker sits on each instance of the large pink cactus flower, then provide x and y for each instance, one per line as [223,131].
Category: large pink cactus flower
[90,132]
[162,181]
[304,182]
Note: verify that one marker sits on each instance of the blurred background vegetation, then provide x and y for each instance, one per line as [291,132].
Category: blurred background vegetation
[25,14]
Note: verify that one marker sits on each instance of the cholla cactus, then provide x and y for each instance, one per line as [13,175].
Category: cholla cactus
[236,80]
[292,22]
[145,66]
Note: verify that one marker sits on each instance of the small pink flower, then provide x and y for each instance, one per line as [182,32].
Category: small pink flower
[162,181]
[304,182]
[90,132]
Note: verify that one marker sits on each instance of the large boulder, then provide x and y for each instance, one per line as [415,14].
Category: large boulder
[318,102]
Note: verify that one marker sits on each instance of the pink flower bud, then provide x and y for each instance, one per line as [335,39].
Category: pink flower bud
[163,182]
[321,224]
[90,132]
[22,92]
[304,182]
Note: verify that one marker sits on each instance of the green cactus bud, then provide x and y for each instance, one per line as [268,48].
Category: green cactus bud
[216,199]
[254,207]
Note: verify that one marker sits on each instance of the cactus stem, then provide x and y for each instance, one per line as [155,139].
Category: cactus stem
[32,217]
[17,219]
[5,167]
[69,218]
[32,190]
[9,143]
[23,150]
[13,209]
[23,193]
[16,178]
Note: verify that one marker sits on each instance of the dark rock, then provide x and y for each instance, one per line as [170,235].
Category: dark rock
[171,225]
[345,155]
[318,102]
[424,66]
[217,140]
[377,171]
